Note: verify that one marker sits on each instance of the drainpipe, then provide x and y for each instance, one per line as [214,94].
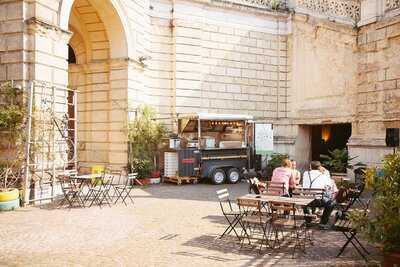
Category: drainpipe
[173,81]
[278,67]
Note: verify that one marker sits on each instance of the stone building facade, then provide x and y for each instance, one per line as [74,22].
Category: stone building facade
[298,64]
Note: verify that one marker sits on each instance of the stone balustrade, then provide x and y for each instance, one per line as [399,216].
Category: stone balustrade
[345,10]
[338,10]
[392,4]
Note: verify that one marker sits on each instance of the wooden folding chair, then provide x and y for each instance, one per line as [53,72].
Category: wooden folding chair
[254,221]
[284,217]
[274,189]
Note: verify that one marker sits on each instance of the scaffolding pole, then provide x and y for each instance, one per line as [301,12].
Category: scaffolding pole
[28,146]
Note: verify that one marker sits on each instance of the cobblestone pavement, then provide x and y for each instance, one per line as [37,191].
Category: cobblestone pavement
[168,226]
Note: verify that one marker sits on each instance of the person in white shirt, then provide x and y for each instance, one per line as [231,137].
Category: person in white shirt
[315,178]
[319,178]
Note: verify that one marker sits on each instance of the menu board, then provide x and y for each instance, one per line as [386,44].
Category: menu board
[264,138]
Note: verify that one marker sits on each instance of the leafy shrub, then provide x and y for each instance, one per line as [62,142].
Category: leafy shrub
[144,134]
[274,162]
[141,166]
[382,224]
[12,134]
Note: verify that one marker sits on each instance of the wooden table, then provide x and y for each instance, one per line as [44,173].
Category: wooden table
[302,202]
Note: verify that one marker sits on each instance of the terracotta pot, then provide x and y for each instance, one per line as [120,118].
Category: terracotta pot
[144,181]
[155,174]
[392,259]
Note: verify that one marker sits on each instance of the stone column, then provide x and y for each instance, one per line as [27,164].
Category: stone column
[118,113]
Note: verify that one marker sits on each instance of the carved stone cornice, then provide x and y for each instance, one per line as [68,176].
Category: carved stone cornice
[35,25]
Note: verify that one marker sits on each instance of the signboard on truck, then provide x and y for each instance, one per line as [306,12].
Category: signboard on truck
[264,138]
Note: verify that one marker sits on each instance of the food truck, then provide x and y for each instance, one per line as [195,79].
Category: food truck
[215,146]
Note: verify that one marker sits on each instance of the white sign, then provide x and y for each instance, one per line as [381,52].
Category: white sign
[264,138]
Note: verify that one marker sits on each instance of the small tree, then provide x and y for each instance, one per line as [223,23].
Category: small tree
[144,134]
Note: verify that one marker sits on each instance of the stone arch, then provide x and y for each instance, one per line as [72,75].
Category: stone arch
[101,84]
[117,26]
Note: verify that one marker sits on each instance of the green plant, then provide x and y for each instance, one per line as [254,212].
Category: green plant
[382,224]
[144,134]
[141,166]
[275,4]
[337,160]
[274,162]
[12,122]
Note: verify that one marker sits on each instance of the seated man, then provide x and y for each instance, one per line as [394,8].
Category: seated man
[317,179]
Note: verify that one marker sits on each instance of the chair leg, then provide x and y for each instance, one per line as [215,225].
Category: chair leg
[349,239]
[235,221]
[119,194]
[229,228]
[361,245]
[127,195]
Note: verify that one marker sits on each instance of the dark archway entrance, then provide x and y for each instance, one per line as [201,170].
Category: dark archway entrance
[328,137]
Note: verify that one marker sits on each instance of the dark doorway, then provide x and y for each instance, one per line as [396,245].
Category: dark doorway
[71,55]
[328,137]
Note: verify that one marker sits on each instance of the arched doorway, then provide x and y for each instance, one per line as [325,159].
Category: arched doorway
[98,41]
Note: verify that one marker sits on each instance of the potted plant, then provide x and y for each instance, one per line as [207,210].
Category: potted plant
[12,117]
[145,134]
[338,162]
[382,224]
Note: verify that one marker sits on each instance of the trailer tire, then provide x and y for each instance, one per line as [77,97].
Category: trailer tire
[218,176]
[233,175]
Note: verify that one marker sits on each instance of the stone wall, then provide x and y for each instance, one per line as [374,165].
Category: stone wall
[12,64]
[378,99]
[227,60]
[324,71]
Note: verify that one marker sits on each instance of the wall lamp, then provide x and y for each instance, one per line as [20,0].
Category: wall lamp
[142,59]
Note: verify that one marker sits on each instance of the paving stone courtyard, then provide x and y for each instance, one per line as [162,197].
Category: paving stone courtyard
[168,226]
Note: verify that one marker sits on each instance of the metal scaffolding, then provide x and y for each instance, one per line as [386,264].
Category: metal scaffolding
[51,145]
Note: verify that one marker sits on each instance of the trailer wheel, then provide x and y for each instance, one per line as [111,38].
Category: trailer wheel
[233,176]
[218,176]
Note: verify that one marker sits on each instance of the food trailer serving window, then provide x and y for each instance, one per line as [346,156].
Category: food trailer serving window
[216,130]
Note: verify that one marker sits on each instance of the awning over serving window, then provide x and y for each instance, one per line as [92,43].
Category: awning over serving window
[215,116]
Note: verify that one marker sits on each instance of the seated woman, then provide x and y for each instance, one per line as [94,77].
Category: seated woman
[284,174]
